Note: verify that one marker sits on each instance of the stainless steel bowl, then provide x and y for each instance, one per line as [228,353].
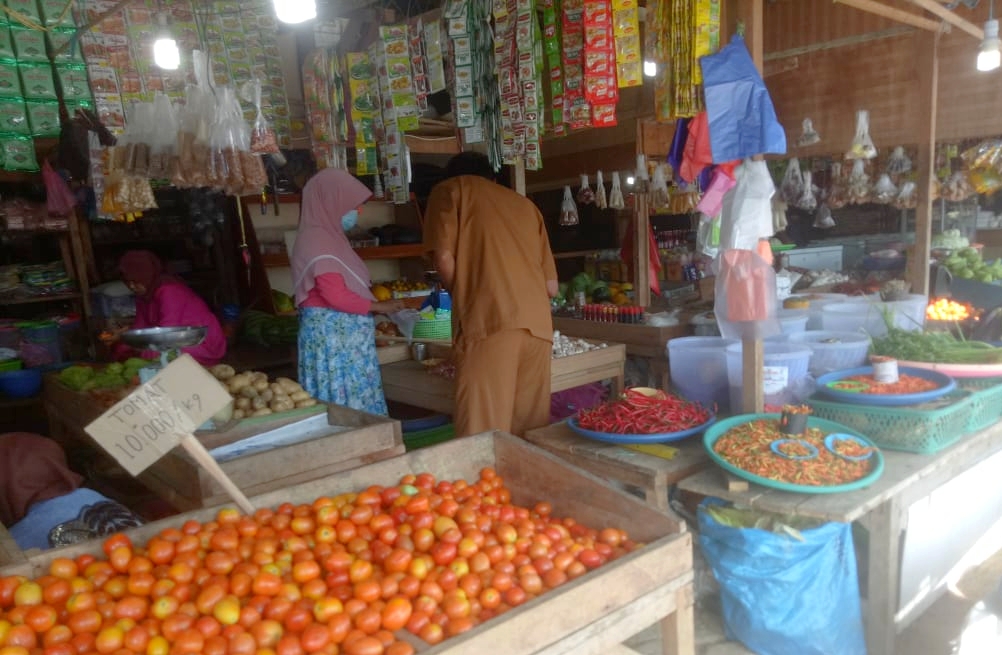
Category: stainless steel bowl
[164,338]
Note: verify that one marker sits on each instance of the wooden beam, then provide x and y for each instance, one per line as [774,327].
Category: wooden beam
[927,62]
[641,240]
[899,15]
[520,174]
[934,7]
[750,13]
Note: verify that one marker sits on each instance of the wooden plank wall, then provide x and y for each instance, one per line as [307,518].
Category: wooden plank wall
[829,85]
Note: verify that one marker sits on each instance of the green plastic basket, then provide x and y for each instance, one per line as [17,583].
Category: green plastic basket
[925,429]
[986,401]
[429,437]
[439,328]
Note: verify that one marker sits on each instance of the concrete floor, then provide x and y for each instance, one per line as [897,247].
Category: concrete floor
[933,633]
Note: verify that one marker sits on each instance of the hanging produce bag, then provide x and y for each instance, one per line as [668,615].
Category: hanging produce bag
[785,591]
[859,183]
[585,195]
[616,200]
[659,188]
[809,136]
[601,200]
[836,198]
[713,198]
[742,119]
[884,190]
[792,186]
[899,162]
[677,150]
[823,219]
[862,145]
[568,210]
[696,156]
[746,214]
[745,295]
[807,201]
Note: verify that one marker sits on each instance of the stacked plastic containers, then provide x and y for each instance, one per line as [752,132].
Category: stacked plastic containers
[785,375]
[833,351]
[698,369]
[867,314]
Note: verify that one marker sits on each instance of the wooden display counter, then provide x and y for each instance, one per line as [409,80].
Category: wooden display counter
[650,474]
[591,614]
[338,439]
[409,382]
[645,341]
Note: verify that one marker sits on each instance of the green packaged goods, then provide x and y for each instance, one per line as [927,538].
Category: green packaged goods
[18,153]
[37,82]
[6,42]
[10,81]
[13,116]
[29,45]
[43,117]
[58,38]
[25,12]
[56,13]
[73,80]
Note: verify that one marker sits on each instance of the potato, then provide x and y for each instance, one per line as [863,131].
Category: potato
[242,403]
[248,392]
[260,385]
[257,376]
[239,414]
[277,389]
[309,402]
[222,371]
[262,412]
[299,396]
[258,403]
[268,395]
[281,405]
[290,386]
[238,382]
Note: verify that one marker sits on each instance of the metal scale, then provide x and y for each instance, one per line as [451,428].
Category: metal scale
[167,341]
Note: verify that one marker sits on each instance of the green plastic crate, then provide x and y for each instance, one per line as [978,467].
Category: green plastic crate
[429,437]
[986,401]
[925,429]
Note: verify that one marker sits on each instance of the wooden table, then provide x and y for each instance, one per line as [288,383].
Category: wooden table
[622,466]
[410,382]
[645,341]
[881,508]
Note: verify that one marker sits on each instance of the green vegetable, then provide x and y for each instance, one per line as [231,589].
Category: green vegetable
[736,517]
[941,347]
[75,377]
[581,282]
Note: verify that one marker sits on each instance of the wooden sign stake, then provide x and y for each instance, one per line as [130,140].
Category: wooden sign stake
[198,452]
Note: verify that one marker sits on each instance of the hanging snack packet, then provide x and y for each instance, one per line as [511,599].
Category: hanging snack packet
[585,195]
[18,153]
[859,184]
[884,191]
[568,210]
[862,145]
[262,137]
[600,198]
[906,198]
[807,200]
[792,186]
[659,187]
[836,196]
[899,163]
[616,200]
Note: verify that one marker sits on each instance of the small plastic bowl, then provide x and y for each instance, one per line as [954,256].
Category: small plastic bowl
[812,451]
[832,440]
[21,384]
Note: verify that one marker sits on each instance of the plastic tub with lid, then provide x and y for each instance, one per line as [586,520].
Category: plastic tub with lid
[833,351]
[698,369]
[792,321]
[813,303]
[785,376]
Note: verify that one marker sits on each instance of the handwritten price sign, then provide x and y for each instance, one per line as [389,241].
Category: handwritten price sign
[145,425]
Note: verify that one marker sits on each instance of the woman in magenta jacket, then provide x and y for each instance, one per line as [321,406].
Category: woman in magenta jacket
[164,301]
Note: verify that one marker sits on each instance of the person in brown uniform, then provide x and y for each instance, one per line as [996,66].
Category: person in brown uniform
[490,248]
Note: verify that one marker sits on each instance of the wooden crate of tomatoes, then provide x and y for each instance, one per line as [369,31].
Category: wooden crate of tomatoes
[484,544]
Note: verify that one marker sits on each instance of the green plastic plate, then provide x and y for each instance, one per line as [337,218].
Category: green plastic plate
[720,428]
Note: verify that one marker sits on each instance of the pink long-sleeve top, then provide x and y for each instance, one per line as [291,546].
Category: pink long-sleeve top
[329,291]
[173,304]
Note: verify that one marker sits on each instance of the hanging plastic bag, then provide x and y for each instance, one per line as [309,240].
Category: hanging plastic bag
[746,214]
[742,119]
[779,222]
[745,292]
[262,137]
[823,219]
[835,197]
[600,198]
[163,140]
[659,188]
[884,190]
[697,154]
[585,195]
[713,198]
[807,201]
[568,210]
[792,186]
[899,163]
[677,150]
[616,200]
[779,590]
[809,136]
[906,198]
[708,236]
[957,189]
[987,154]
[985,180]
[862,145]
[59,200]
[859,184]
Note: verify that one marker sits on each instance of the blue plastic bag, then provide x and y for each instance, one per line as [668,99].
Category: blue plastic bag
[742,118]
[782,596]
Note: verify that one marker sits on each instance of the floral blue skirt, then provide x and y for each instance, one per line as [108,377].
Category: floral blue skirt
[337,359]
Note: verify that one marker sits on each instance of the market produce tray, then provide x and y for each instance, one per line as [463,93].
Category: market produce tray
[986,401]
[594,613]
[945,384]
[925,428]
[958,370]
[718,430]
[621,439]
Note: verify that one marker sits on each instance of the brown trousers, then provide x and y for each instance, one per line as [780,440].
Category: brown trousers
[502,383]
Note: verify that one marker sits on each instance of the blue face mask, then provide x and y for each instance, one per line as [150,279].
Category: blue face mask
[349,220]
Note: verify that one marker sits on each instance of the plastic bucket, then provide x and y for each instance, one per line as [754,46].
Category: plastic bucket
[785,374]
[41,344]
[698,369]
[792,321]
[854,316]
[817,302]
[833,351]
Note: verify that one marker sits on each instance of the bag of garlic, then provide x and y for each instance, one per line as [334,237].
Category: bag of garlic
[862,145]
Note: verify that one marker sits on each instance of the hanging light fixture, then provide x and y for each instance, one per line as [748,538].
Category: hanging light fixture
[165,51]
[295,11]
[990,53]
[650,68]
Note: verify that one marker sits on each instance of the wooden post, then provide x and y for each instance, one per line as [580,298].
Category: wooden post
[519,172]
[641,229]
[927,63]
[198,452]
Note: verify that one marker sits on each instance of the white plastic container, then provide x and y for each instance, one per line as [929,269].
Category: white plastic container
[833,351]
[792,321]
[698,369]
[785,375]
[868,315]
[817,303]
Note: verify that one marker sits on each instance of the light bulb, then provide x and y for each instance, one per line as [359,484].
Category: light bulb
[650,68]
[165,53]
[989,56]
[295,11]
[630,180]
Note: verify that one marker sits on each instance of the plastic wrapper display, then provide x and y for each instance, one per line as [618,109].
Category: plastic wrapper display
[862,145]
[987,154]
[568,210]
[859,183]
[163,140]
[792,186]
[616,200]
[899,162]
[884,191]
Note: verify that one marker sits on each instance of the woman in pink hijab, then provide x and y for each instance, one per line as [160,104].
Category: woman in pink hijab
[337,337]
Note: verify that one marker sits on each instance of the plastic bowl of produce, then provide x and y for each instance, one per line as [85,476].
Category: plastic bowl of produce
[833,350]
[24,383]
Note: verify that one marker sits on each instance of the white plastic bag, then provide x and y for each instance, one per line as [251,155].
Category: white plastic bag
[568,210]
[836,196]
[792,186]
[616,200]
[600,198]
[859,184]
[585,195]
[746,215]
[659,188]
[807,200]
[862,145]
[884,190]
[708,235]
[809,136]
[899,163]
[906,198]
[779,222]
[823,219]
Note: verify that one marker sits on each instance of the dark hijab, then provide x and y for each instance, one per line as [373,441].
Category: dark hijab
[143,267]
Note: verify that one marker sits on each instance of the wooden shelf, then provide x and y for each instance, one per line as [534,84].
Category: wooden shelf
[28,300]
[576,253]
[283,199]
[280,260]
[432,145]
